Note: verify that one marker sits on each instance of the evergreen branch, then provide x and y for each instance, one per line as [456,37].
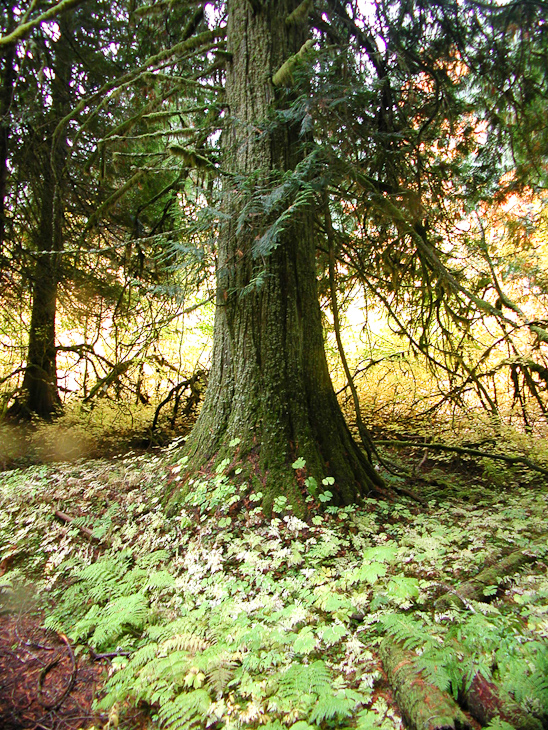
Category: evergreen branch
[300,14]
[180,49]
[284,75]
[128,185]
[24,29]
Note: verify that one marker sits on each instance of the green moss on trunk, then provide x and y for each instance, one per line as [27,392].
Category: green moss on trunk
[269,384]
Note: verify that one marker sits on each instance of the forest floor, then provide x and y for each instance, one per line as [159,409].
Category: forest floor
[210,615]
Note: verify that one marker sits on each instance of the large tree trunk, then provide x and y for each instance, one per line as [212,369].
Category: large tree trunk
[269,384]
[40,395]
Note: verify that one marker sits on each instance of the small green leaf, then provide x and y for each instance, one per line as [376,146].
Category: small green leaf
[333,634]
[300,463]
[312,485]
[305,641]
[234,442]
[402,587]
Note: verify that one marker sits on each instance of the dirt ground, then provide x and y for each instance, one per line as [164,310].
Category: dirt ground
[43,685]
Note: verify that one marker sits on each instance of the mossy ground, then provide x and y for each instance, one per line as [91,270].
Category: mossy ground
[221,617]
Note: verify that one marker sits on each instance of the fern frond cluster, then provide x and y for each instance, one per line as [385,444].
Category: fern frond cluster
[276,624]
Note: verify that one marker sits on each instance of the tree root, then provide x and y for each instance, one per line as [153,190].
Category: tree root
[467,452]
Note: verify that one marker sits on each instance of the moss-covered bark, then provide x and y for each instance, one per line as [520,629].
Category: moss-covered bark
[423,705]
[269,384]
[479,587]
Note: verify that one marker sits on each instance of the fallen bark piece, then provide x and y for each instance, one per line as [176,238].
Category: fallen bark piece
[474,589]
[486,701]
[423,705]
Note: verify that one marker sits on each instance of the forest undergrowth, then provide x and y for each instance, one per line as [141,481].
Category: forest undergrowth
[213,616]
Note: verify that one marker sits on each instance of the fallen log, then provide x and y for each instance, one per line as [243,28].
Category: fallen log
[475,589]
[486,701]
[423,705]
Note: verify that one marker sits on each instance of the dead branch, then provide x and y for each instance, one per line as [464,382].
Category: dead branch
[462,450]
[59,700]
[70,520]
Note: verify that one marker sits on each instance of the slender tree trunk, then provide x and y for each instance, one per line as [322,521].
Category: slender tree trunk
[269,384]
[40,394]
[6,96]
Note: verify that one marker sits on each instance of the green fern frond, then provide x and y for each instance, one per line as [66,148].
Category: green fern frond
[188,625]
[144,656]
[406,630]
[219,667]
[160,579]
[185,711]
[305,679]
[185,642]
[119,616]
[436,667]
[150,560]
[329,705]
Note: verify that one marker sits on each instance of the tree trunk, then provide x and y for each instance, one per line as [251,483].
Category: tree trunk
[486,702]
[40,394]
[6,97]
[269,384]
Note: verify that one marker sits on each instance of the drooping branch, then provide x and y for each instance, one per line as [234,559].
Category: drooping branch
[362,430]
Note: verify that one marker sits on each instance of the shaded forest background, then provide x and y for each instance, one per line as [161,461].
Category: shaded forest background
[424,142]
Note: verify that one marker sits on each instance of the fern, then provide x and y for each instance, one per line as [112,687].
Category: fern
[188,642]
[220,670]
[406,630]
[122,614]
[187,710]
[441,666]
[339,705]
[301,679]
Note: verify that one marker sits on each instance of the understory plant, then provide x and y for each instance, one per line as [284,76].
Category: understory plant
[219,617]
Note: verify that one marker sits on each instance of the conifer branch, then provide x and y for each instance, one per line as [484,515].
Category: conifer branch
[284,75]
[300,14]
[24,29]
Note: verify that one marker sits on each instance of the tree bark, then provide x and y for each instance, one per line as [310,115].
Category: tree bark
[6,97]
[486,701]
[426,707]
[40,394]
[423,705]
[269,383]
